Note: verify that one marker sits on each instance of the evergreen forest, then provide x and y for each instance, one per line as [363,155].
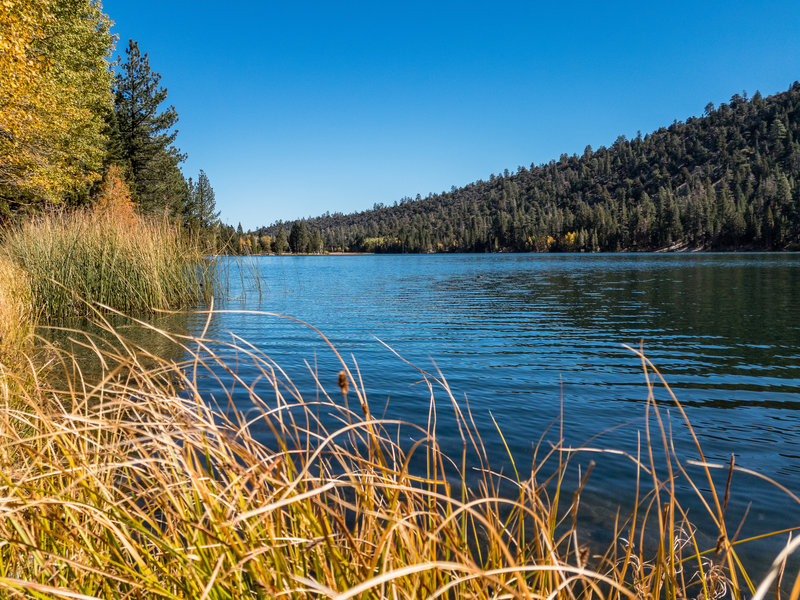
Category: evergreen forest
[729,180]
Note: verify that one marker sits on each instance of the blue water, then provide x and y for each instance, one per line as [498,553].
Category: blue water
[520,336]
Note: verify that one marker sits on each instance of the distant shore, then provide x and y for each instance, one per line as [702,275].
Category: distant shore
[673,249]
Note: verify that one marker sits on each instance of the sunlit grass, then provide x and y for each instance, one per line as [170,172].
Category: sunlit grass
[130,483]
[16,318]
[75,260]
[17,324]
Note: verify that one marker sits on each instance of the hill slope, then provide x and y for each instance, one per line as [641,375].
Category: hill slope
[728,180]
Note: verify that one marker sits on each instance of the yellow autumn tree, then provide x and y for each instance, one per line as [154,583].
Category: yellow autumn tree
[55,88]
[569,241]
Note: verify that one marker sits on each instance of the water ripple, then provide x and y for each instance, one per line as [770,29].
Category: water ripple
[516,333]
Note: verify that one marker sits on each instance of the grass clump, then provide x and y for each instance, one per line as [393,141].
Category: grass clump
[76,260]
[136,486]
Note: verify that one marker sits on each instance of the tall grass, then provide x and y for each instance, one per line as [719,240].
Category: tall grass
[16,315]
[132,484]
[81,259]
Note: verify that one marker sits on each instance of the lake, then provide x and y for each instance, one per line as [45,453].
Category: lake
[516,334]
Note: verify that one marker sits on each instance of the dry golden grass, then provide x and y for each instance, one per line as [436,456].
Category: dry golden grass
[16,318]
[131,484]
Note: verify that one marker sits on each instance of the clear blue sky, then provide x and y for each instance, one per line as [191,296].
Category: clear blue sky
[297,108]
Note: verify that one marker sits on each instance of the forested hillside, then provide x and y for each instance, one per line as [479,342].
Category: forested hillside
[727,180]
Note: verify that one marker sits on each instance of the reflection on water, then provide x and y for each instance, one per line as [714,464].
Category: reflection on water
[89,341]
[517,333]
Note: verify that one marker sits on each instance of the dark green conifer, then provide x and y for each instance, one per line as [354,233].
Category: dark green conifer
[280,243]
[298,237]
[143,136]
[199,207]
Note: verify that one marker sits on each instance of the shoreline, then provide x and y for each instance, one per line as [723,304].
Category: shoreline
[667,251]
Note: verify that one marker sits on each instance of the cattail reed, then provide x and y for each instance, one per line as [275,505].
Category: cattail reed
[344,385]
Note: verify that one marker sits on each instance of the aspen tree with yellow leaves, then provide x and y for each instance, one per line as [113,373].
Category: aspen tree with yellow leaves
[55,90]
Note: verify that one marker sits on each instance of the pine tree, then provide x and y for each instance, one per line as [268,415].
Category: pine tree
[316,242]
[145,137]
[298,237]
[280,243]
[199,208]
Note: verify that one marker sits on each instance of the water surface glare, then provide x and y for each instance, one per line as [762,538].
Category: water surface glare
[516,333]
